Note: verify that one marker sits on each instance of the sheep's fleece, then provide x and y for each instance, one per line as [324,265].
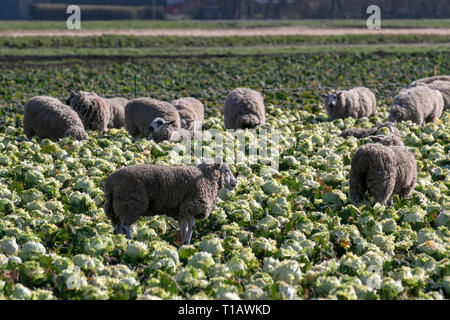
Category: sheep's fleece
[47,117]
[442,86]
[93,110]
[429,80]
[419,104]
[183,192]
[192,114]
[139,113]
[383,168]
[244,109]
[365,132]
[355,103]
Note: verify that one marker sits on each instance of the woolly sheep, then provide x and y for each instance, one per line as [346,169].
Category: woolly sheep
[365,132]
[160,130]
[419,104]
[383,168]
[98,113]
[442,86]
[185,193]
[139,113]
[356,103]
[429,80]
[244,109]
[47,117]
[191,112]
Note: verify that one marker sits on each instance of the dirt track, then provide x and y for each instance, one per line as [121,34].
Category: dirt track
[278,31]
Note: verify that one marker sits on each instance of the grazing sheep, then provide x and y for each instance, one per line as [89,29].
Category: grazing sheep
[98,113]
[383,168]
[191,113]
[442,86]
[244,109]
[419,104]
[356,103]
[160,130]
[429,80]
[47,117]
[139,113]
[182,192]
[365,132]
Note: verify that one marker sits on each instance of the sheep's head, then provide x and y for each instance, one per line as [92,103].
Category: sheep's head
[79,97]
[77,133]
[390,140]
[160,129]
[220,172]
[397,113]
[332,99]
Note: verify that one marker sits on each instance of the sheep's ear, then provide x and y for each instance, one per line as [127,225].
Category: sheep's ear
[170,122]
[216,166]
[377,138]
[72,92]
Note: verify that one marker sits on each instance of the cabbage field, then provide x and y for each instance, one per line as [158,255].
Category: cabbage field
[290,233]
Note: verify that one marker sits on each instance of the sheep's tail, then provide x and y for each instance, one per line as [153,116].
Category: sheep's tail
[249,121]
[373,170]
[359,132]
[108,208]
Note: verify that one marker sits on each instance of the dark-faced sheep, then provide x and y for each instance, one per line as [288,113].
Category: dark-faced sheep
[98,113]
[383,168]
[365,132]
[47,117]
[419,104]
[355,103]
[244,109]
[139,113]
[185,193]
[191,112]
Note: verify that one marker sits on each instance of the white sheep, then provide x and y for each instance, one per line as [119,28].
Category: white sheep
[383,168]
[244,109]
[191,112]
[98,113]
[440,85]
[47,117]
[355,103]
[139,113]
[186,193]
[429,80]
[419,104]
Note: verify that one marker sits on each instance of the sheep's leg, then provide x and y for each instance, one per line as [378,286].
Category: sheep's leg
[122,228]
[186,227]
[390,202]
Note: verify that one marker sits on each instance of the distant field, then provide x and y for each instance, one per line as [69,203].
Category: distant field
[183,24]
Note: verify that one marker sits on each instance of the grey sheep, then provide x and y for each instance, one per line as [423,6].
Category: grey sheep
[383,168]
[419,104]
[139,113]
[244,109]
[429,80]
[185,193]
[365,132]
[440,85]
[192,114]
[160,130]
[98,113]
[355,103]
[47,117]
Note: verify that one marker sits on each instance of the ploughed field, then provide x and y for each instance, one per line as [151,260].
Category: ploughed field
[281,234]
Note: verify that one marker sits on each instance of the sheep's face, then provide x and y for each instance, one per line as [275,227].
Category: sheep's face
[331,99]
[229,180]
[160,129]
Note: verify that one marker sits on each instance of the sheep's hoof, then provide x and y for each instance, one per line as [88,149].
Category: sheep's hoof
[121,228]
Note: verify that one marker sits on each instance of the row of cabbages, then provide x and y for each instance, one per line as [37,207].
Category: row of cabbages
[286,234]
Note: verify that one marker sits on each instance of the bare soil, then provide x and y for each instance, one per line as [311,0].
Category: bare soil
[278,31]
